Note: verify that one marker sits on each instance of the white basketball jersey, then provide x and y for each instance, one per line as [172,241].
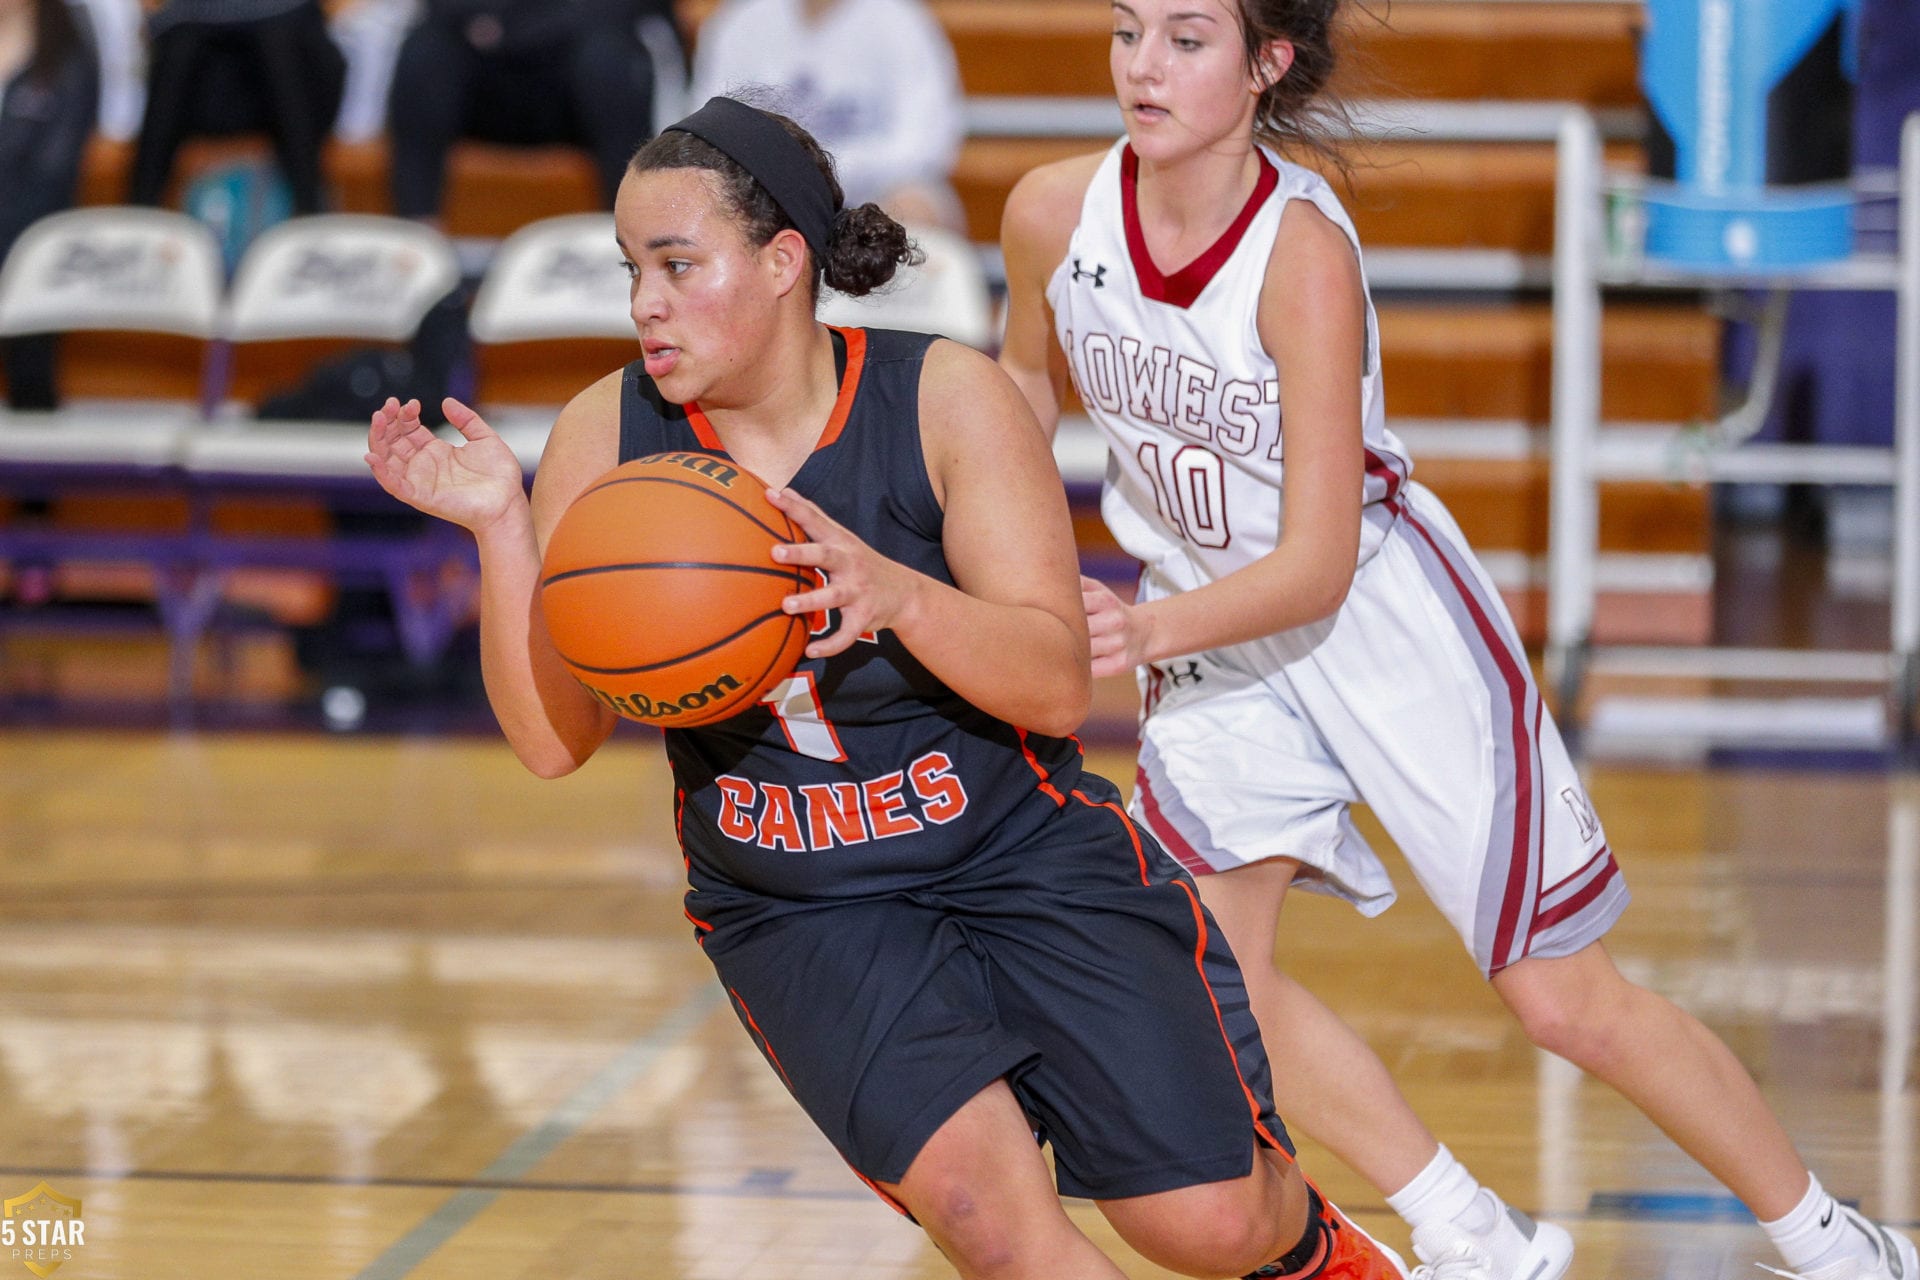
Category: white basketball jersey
[1172,370]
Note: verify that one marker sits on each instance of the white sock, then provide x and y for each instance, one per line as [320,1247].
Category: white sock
[1442,1192]
[1814,1232]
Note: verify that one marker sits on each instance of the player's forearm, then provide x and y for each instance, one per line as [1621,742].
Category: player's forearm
[1017,662]
[1274,594]
[551,722]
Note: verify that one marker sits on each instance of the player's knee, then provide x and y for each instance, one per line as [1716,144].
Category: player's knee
[1574,1025]
[1236,1241]
[979,1242]
[1213,1231]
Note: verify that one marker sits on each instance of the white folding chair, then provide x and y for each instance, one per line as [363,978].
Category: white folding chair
[117,271]
[327,281]
[331,280]
[947,294]
[552,315]
[148,283]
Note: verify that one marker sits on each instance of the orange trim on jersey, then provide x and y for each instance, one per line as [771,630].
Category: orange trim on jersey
[849,386]
[1199,963]
[1133,833]
[761,1036]
[856,340]
[876,1188]
[698,923]
[1200,967]
[1046,787]
[702,429]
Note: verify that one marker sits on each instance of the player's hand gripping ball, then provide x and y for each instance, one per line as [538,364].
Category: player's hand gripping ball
[661,593]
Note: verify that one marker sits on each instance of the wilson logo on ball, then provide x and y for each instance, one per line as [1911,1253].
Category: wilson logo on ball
[703,463]
[637,706]
[661,593]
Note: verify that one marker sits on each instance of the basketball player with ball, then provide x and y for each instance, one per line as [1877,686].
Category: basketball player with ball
[1311,628]
[945,936]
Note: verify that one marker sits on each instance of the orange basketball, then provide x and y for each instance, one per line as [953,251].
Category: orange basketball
[662,595]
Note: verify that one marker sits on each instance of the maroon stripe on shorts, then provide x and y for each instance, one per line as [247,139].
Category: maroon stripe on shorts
[1514,677]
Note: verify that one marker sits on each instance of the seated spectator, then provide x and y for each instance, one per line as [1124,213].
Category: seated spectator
[222,67]
[49,90]
[523,73]
[874,80]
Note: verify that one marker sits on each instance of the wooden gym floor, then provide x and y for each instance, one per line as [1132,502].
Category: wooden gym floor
[366,1008]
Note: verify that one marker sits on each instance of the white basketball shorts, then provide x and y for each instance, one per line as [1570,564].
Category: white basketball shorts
[1415,697]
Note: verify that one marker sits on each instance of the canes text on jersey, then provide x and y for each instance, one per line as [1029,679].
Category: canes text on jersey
[818,816]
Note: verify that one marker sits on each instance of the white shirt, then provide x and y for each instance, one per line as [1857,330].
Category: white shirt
[116,27]
[874,80]
[1173,372]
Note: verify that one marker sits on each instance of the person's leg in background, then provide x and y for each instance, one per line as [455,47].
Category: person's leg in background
[299,74]
[427,112]
[175,65]
[610,80]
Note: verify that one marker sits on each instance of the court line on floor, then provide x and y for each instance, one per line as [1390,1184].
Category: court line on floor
[174,890]
[1676,1208]
[538,1143]
[747,1188]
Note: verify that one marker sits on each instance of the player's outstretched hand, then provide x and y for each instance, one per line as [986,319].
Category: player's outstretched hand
[868,589]
[472,484]
[1114,628]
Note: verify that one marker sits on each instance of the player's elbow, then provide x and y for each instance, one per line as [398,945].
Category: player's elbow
[1331,594]
[553,756]
[1062,721]
[1066,704]
[1309,599]
[548,765]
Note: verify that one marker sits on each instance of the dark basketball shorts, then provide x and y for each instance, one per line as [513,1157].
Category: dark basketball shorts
[1081,967]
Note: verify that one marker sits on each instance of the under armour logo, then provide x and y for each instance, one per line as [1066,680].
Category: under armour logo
[1179,677]
[1098,275]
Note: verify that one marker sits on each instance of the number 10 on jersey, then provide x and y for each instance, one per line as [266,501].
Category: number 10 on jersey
[1190,488]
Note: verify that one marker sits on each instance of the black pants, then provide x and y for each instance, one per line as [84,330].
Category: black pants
[596,92]
[29,362]
[280,75]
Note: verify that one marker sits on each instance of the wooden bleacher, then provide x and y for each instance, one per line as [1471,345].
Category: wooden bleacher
[1410,192]
[1466,358]
[1456,49]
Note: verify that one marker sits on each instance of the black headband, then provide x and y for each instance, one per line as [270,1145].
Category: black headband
[759,144]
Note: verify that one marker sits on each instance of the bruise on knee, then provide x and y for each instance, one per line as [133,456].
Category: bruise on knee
[978,1242]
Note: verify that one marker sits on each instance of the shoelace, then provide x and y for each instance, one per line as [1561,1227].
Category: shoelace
[1460,1262]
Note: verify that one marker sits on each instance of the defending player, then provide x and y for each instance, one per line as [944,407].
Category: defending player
[1315,632]
[943,934]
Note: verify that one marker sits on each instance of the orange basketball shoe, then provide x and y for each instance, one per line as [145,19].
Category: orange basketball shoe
[1343,1251]
[1357,1255]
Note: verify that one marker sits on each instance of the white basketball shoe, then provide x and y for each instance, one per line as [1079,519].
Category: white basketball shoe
[1512,1247]
[1894,1256]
